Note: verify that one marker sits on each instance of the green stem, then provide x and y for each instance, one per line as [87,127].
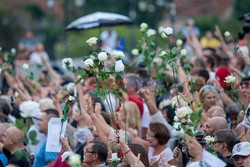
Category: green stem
[175,84]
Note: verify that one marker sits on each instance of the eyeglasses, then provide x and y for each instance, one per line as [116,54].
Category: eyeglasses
[149,136]
[217,142]
[87,151]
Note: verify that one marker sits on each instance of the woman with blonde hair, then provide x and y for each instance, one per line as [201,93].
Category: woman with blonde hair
[209,97]
[130,114]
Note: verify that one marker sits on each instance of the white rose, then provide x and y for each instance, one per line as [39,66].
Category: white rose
[183,52]
[174,104]
[71,86]
[102,56]
[179,42]
[119,66]
[230,79]
[176,119]
[163,35]
[135,52]
[177,125]
[118,54]
[163,53]
[74,160]
[92,41]
[16,94]
[179,134]
[67,61]
[26,66]
[92,57]
[168,31]
[160,29]
[151,32]
[29,109]
[183,112]
[66,154]
[13,50]
[157,61]
[0,71]
[115,157]
[88,62]
[143,26]
[71,98]
[209,140]
[227,34]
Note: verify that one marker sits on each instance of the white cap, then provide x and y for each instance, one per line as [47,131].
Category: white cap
[242,149]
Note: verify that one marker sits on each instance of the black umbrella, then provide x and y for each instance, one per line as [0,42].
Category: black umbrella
[98,19]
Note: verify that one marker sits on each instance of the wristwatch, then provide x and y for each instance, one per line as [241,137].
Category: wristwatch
[221,90]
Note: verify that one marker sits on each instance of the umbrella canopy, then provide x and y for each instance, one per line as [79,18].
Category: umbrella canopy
[98,19]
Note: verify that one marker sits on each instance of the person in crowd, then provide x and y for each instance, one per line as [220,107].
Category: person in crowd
[208,41]
[35,56]
[44,158]
[108,39]
[13,146]
[131,115]
[224,140]
[216,111]
[241,154]
[214,124]
[28,42]
[209,97]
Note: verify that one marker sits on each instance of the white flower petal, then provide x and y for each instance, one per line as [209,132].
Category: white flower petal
[119,66]
[88,62]
[66,154]
[92,41]
[102,56]
[168,31]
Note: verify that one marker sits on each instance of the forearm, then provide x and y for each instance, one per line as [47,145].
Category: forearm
[226,100]
[102,128]
[151,105]
[52,73]
[130,157]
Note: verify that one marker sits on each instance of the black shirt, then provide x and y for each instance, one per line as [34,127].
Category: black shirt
[20,157]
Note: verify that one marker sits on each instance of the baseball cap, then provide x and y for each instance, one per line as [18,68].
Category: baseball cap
[242,149]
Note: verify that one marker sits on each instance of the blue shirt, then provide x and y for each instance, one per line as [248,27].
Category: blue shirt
[3,159]
[43,157]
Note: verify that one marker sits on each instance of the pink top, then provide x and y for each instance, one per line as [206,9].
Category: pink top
[167,151]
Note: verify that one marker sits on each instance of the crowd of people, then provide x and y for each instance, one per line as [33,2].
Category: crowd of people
[142,131]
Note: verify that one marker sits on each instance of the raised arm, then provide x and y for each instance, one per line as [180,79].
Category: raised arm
[103,129]
[56,77]
[82,103]
[130,157]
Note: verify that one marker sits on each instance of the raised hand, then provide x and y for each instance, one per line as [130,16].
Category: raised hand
[65,144]
[194,148]
[164,161]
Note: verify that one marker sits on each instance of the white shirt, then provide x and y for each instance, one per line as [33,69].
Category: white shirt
[167,152]
[145,116]
[35,57]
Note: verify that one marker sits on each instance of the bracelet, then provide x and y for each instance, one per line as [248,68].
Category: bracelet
[122,154]
[240,137]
